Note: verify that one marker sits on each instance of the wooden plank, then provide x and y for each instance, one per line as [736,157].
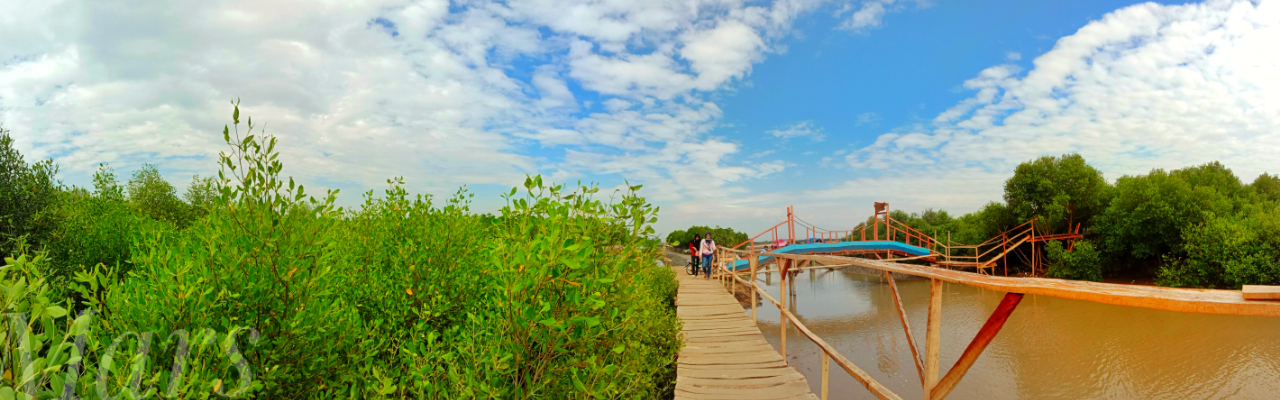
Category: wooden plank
[932,336]
[979,343]
[1260,292]
[724,355]
[1207,301]
[906,327]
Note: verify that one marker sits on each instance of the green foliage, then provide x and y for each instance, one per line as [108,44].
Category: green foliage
[1146,218]
[1080,263]
[263,259]
[280,295]
[26,190]
[1267,187]
[154,197]
[57,353]
[1228,251]
[91,228]
[722,236]
[1044,188]
[199,197]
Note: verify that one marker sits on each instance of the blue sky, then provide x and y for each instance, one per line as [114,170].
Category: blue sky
[727,111]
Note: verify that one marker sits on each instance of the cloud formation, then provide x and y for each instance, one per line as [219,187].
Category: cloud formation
[799,129]
[477,92]
[1145,86]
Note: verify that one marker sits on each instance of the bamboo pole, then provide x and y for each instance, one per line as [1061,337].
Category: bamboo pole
[857,373]
[906,327]
[825,372]
[975,348]
[933,336]
[782,316]
[755,262]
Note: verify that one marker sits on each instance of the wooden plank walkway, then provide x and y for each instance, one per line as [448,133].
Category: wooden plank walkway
[725,357]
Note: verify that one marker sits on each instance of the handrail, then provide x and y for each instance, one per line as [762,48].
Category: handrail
[1206,301]
[759,234]
[877,389]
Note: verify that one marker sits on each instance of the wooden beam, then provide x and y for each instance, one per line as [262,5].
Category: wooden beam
[782,309]
[755,262]
[1207,301]
[979,343]
[1260,292]
[932,336]
[906,327]
[861,376]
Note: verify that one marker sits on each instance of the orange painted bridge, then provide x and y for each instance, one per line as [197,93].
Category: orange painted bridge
[726,357]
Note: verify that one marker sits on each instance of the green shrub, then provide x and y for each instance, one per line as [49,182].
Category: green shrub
[92,228]
[1228,251]
[1080,263]
[1148,214]
[26,191]
[284,296]
[154,197]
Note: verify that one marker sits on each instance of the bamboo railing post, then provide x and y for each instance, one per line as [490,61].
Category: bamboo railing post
[1004,245]
[755,261]
[733,283]
[825,370]
[782,316]
[906,328]
[975,348]
[933,336]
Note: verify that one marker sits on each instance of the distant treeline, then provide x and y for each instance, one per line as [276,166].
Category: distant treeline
[283,295]
[1198,226]
[722,236]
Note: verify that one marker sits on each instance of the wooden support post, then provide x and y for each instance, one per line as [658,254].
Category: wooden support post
[782,316]
[755,262]
[979,343]
[906,327]
[932,337]
[1004,245]
[825,369]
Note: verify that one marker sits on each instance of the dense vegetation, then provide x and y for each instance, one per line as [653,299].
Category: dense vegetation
[722,236]
[248,286]
[1199,226]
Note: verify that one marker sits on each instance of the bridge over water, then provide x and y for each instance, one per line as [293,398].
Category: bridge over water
[721,335]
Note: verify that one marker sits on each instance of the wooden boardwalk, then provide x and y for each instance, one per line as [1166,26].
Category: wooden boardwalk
[725,357]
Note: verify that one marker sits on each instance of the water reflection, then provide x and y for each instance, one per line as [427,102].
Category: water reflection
[1049,348]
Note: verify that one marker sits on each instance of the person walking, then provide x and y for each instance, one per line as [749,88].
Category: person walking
[708,248]
[695,254]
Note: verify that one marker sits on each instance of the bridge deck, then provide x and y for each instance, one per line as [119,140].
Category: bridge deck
[725,356]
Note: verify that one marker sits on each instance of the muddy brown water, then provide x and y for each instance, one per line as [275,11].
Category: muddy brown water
[1050,348]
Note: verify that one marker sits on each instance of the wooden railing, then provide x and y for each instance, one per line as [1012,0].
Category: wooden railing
[983,257]
[829,353]
[1209,301]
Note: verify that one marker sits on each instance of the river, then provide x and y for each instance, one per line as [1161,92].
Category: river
[1050,348]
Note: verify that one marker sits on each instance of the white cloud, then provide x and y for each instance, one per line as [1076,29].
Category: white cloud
[799,129]
[1145,86]
[870,14]
[1013,56]
[359,91]
[868,118]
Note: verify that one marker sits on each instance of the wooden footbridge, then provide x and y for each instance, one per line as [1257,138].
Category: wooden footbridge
[726,357]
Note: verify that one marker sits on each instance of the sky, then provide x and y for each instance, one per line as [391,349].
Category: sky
[726,111]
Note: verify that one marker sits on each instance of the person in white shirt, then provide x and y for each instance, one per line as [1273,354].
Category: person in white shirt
[707,248]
